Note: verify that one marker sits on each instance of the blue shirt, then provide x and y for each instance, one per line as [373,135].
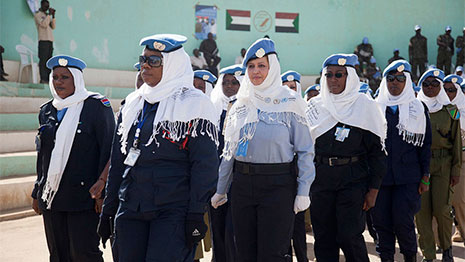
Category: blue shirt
[276,141]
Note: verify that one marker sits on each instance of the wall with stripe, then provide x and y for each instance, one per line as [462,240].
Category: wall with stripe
[106,33]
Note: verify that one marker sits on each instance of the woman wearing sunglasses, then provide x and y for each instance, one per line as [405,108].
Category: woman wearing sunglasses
[164,162]
[265,128]
[452,85]
[446,161]
[408,146]
[223,96]
[349,129]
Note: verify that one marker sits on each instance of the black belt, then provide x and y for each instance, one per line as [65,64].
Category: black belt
[263,169]
[337,161]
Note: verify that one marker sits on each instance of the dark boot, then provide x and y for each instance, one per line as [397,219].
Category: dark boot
[410,258]
[447,255]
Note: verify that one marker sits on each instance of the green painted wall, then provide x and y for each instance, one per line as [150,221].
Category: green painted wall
[106,33]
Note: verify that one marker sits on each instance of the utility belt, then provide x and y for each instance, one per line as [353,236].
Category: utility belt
[264,169]
[336,161]
[438,153]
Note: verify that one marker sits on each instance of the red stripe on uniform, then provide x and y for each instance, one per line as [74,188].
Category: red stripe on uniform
[238,13]
[286,15]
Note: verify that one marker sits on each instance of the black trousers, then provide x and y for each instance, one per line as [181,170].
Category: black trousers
[338,223]
[263,216]
[72,236]
[224,247]
[393,217]
[45,53]
[299,238]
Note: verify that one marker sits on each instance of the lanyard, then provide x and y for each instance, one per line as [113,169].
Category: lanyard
[135,144]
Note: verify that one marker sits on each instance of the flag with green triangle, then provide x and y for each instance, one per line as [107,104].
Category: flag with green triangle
[287,22]
[238,20]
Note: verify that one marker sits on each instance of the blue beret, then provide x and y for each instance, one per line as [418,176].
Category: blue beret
[236,70]
[341,60]
[399,66]
[163,42]
[448,28]
[415,87]
[363,87]
[417,27]
[137,66]
[66,61]
[454,79]
[260,48]
[313,87]
[434,72]
[459,69]
[376,93]
[290,76]
[395,50]
[205,76]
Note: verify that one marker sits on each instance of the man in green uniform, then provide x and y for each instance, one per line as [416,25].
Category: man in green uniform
[446,161]
[460,44]
[418,52]
[445,50]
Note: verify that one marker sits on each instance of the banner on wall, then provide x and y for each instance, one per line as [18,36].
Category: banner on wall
[33,5]
[238,20]
[287,22]
[205,21]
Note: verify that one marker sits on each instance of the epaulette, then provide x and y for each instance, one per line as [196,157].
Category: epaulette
[105,101]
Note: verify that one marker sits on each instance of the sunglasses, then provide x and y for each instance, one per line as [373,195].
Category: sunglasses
[153,60]
[337,75]
[399,78]
[233,83]
[434,83]
[450,90]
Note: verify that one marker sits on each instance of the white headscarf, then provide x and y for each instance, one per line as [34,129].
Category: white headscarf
[459,101]
[65,132]
[349,107]
[219,99]
[436,103]
[412,119]
[180,103]
[270,96]
[208,88]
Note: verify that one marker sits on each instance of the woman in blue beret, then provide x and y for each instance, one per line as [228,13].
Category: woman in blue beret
[164,163]
[223,96]
[76,127]
[445,165]
[265,129]
[408,145]
[349,131]
[311,92]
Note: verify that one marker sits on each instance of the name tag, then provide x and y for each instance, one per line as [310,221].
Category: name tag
[132,157]
[242,148]
[341,133]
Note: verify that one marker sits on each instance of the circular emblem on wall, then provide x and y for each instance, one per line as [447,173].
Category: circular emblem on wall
[262,21]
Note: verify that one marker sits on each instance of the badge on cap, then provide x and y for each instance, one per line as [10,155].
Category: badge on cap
[400,68]
[341,61]
[237,73]
[436,73]
[290,78]
[63,62]
[454,80]
[260,53]
[205,77]
[159,46]
[317,88]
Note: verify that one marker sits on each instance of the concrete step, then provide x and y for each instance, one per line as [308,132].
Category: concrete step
[10,105]
[13,89]
[17,213]
[15,164]
[15,193]
[13,122]
[17,141]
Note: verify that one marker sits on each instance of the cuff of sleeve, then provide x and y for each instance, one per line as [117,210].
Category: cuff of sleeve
[34,192]
[375,183]
[197,207]
[303,190]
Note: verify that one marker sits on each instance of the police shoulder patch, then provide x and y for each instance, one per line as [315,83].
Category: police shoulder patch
[453,112]
[105,101]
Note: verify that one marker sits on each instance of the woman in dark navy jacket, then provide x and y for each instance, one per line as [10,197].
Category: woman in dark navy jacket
[73,146]
[164,163]
[408,144]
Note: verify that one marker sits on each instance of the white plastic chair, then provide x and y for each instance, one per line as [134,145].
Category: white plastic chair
[26,56]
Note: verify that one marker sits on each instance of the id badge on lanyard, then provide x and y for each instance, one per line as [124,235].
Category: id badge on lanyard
[134,151]
[341,133]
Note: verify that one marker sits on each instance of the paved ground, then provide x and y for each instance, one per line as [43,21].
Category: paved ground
[23,240]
